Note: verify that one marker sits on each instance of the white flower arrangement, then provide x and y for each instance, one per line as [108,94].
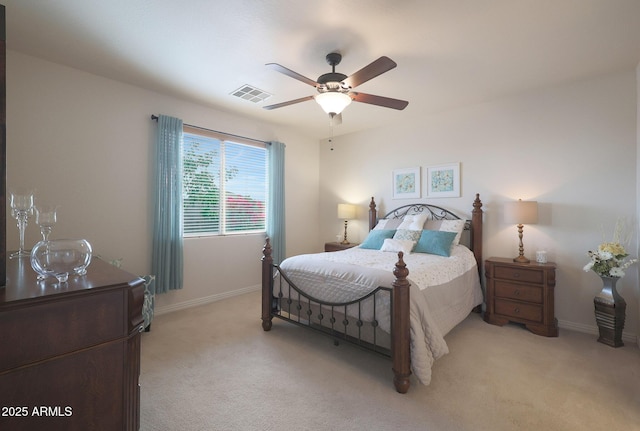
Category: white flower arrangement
[609,259]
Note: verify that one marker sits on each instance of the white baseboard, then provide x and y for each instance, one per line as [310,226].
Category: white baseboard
[593,330]
[205,300]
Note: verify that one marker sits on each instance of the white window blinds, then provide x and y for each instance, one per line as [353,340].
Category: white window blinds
[224,186]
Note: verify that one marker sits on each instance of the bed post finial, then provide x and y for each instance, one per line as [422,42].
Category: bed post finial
[477,203]
[401,349]
[266,250]
[400,270]
[267,285]
[373,216]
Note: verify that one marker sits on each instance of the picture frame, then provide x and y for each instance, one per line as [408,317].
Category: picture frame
[406,183]
[443,181]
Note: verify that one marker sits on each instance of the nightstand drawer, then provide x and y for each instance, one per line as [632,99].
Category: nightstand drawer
[518,274]
[504,289]
[337,246]
[518,310]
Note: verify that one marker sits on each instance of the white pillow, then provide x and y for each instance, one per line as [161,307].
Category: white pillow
[403,245]
[413,222]
[456,226]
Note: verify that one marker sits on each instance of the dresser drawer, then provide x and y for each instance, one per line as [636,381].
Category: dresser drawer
[518,310]
[518,274]
[505,289]
[50,329]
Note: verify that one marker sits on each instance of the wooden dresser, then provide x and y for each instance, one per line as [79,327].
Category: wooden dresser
[70,355]
[521,292]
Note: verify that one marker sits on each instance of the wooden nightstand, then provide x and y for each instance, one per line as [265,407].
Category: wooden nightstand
[337,246]
[521,292]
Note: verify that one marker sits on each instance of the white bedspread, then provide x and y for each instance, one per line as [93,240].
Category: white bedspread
[350,274]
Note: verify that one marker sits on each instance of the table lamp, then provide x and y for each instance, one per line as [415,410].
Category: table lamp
[520,213]
[346,212]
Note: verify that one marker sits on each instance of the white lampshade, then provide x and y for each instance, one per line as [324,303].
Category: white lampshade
[333,102]
[521,212]
[346,211]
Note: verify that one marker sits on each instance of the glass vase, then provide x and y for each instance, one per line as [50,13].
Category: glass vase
[61,258]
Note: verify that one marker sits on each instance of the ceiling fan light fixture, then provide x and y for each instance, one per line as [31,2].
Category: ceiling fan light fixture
[333,102]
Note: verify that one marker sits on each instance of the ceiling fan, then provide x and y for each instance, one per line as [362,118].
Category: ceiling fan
[336,89]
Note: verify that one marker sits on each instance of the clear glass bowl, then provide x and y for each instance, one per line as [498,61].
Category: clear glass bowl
[61,257]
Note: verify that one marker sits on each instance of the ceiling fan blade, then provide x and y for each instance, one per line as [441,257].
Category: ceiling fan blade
[378,67]
[290,102]
[387,102]
[295,75]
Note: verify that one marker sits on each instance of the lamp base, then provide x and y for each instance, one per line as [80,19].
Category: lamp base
[345,240]
[520,258]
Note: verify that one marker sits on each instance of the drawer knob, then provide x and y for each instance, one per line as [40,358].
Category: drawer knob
[516,293]
[517,311]
[516,275]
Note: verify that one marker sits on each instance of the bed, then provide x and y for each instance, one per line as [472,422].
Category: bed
[367,296]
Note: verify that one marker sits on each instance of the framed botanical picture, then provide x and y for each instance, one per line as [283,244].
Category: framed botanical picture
[443,181]
[406,183]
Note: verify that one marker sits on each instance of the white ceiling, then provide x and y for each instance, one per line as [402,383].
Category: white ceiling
[450,53]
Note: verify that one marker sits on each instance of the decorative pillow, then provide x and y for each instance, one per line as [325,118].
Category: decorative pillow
[435,242]
[376,238]
[403,245]
[413,235]
[413,221]
[388,223]
[456,226]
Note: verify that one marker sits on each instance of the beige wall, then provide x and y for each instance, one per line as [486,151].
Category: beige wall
[572,148]
[84,142]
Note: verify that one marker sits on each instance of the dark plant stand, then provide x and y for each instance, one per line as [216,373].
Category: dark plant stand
[610,309]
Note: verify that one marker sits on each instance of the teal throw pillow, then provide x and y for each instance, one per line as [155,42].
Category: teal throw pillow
[376,238]
[435,242]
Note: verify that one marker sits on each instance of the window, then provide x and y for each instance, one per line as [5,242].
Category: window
[216,166]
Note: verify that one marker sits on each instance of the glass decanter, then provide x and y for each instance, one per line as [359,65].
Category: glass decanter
[46,218]
[61,258]
[21,203]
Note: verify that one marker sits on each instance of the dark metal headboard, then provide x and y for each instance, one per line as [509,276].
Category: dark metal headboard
[473,226]
[433,213]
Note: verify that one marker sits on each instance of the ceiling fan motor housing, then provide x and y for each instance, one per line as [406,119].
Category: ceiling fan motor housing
[332,81]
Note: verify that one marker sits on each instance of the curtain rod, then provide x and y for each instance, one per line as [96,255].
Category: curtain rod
[155,118]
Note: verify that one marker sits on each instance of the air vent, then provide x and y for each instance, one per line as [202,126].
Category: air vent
[252,94]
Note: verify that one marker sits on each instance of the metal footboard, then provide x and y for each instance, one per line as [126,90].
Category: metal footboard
[340,321]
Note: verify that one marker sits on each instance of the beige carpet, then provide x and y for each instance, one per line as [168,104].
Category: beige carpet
[213,368]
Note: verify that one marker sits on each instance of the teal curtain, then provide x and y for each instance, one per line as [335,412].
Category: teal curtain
[167,251]
[275,206]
